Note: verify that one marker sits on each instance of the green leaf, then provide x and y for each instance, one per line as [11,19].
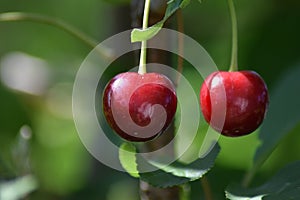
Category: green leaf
[138,35]
[184,3]
[282,115]
[178,173]
[237,197]
[284,185]
[127,158]
[233,197]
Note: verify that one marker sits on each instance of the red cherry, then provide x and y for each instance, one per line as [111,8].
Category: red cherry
[139,107]
[244,96]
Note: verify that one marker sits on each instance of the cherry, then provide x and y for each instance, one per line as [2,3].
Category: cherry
[139,107]
[245,99]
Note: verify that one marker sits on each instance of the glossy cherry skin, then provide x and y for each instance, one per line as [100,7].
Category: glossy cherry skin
[244,96]
[139,107]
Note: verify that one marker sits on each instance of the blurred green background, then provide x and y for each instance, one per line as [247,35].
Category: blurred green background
[38,64]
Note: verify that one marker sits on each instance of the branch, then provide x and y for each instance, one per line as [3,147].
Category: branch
[20,16]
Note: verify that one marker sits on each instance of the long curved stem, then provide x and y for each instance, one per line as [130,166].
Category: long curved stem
[20,16]
[234,47]
[143,56]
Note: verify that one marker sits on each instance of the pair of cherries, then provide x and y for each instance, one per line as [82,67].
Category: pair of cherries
[139,107]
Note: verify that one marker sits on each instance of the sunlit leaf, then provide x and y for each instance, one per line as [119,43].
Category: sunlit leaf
[138,35]
[127,158]
[234,197]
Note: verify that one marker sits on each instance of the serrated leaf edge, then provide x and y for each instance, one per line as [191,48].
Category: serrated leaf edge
[123,148]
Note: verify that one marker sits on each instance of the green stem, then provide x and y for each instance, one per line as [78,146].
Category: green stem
[143,56]
[185,192]
[19,16]
[234,47]
[206,188]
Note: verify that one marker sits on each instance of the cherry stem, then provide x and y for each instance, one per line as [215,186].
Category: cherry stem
[234,47]
[206,188]
[143,55]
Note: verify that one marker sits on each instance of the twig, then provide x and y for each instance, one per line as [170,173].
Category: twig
[20,16]
[206,189]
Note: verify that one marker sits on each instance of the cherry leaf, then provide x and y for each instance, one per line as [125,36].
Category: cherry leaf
[283,102]
[127,158]
[284,185]
[138,35]
[177,173]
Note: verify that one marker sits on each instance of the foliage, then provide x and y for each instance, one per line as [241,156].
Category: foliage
[284,185]
[138,35]
[167,175]
[61,167]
